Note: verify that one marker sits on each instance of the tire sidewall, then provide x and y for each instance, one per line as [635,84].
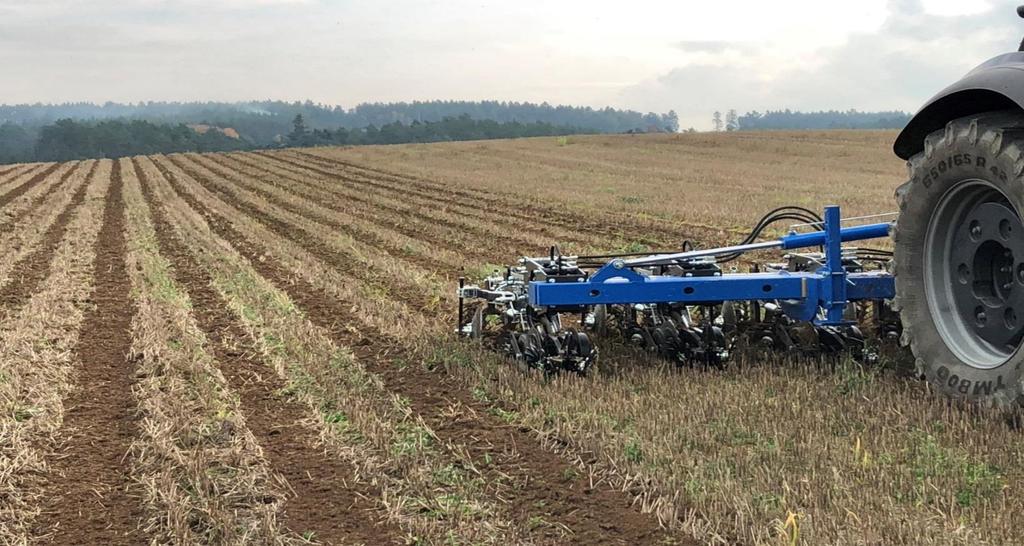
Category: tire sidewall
[949,161]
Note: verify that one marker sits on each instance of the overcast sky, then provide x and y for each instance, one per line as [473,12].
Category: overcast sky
[693,56]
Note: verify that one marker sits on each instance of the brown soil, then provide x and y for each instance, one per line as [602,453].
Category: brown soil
[526,212]
[308,242]
[539,483]
[43,196]
[89,496]
[20,189]
[5,170]
[327,499]
[31,270]
[259,188]
[358,203]
[394,199]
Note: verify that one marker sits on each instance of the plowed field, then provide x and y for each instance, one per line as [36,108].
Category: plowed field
[257,348]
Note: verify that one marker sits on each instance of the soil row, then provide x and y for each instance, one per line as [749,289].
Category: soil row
[45,324]
[39,222]
[88,498]
[425,486]
[441,197]
[536,480]
[326,241]
[33,199]
[28,272]
[392,234]
[472,220]
[324,493]
[12,170]
[23,187]
[204,475]
[435,226]
[606,227]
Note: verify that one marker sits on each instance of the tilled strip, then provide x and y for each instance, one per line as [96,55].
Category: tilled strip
[347,243]
[38,335]
[428,488]
[20,189]
[446,197]
[523,211]
[18,175]
[90,502]
[370,228]
[430,210]
[30,271]
[325,492]
[538,482]
[306,240]
[369,207]
[7,170]
[608,225]
[37,200]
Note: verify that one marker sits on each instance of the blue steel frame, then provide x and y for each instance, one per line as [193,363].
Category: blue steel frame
[820,296]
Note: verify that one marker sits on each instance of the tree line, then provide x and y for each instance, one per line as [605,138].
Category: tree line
[69,139]
[264,122]
[788,119]
[462,127]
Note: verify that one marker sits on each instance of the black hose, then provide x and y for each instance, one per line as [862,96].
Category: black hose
[799,214]
[789,212]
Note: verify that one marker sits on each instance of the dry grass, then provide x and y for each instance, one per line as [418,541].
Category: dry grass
[36,360]
[760,451]
[855,455]
[699,184]
[18,174]
[203,473]
[334,210]
[757,453]
[18,240]
[9,172]
[427,487]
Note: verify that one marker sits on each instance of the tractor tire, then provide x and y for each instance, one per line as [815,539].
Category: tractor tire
[959,264]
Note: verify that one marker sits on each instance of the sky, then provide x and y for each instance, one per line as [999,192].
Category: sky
[691,56]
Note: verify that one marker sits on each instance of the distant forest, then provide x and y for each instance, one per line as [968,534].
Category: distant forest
[68,139]
[44,132]
[832,119]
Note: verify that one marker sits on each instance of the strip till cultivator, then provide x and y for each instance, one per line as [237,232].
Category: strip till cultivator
[952,289]
[684,306]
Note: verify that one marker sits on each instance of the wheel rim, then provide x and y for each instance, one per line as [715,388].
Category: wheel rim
[974,273]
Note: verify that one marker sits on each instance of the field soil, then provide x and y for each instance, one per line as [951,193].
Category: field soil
[258,348]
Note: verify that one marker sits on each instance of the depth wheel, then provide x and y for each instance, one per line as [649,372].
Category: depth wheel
[959,261]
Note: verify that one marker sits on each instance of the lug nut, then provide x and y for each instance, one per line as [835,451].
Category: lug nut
[981,317]
[975,230]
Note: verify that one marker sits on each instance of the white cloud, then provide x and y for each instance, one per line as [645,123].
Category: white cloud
[911,56]
[690,55]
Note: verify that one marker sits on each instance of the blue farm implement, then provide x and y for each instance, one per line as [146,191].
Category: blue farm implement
[682,305]
[952,288]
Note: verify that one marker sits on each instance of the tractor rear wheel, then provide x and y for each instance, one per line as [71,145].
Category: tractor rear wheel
[959,263]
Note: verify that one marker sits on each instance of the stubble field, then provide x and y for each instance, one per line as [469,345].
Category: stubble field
[257,348]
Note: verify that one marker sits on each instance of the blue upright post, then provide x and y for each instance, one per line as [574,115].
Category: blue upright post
[834,293]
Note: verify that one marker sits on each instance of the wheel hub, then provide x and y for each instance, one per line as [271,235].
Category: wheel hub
[986,260]
[974,273]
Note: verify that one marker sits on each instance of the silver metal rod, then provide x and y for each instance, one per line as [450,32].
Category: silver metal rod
[851,219]
[659,259]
